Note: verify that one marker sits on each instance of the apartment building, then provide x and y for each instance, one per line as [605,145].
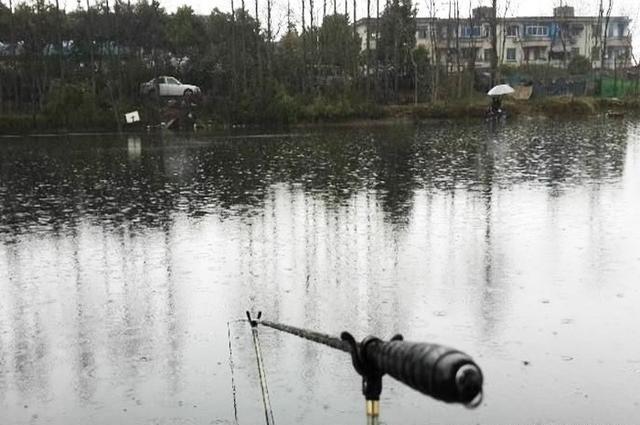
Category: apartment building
[540,40]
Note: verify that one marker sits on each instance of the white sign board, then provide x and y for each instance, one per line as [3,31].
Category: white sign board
[132,117]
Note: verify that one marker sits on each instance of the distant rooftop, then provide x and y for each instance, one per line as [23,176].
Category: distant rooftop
[484,13]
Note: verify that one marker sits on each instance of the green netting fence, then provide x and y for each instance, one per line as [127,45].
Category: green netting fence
[612,87]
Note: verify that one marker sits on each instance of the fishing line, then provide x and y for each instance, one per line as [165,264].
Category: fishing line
[231,366]
[268,412]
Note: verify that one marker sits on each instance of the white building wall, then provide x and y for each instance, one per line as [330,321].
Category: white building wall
[582,42]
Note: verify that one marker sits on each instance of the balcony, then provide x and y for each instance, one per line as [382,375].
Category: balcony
[623,40]
[534,38]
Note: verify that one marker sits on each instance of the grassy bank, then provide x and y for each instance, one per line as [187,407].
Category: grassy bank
[552,107]
[322,112]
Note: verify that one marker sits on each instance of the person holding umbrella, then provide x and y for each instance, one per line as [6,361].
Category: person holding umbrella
[496,94]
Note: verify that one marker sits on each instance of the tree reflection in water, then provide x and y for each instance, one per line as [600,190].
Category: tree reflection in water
[122,259]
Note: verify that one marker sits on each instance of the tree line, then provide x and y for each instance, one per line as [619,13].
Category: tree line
[54,63]
[93,59]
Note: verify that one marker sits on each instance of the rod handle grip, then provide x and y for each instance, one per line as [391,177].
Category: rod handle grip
[438,371]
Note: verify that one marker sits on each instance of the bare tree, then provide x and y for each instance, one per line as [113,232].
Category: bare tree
[494,41]
[59,39]
[260,73]
[503,34]
[565,30]
[243,47]
[368,48]
[456,13]
[304,50]
[471,52]
[12,40]
[269,29]
[311,26]
[448,36]
[434,38]
[355,30]
[377,47]
[605,37]
[234,72]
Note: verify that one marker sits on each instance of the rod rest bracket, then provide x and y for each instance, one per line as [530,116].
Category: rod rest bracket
[253,322]
[371,376]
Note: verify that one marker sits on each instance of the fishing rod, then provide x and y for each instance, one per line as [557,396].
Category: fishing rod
[441,372]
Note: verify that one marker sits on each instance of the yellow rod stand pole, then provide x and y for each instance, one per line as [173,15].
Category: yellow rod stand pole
[373,412]
[373,408]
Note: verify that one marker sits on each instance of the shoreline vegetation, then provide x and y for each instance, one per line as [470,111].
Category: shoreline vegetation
[322,113]
[81,70]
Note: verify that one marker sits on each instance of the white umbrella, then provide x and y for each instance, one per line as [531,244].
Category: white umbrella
[501,90]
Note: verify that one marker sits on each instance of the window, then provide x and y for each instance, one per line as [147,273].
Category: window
[537,31]
[621,29]
[513,31]
[173,81]
[575,51]
[534,53]
[616,30]
[595,53]
[488,53]
[511,54]
[471,32]
[576,30]
[617,53]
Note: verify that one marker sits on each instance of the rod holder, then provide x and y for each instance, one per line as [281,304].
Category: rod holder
[371,374]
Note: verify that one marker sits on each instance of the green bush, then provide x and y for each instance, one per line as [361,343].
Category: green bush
[17,124]
[567,106]
[72,106]
[282,108]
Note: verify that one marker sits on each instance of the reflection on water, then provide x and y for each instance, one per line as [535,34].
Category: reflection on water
[121,260]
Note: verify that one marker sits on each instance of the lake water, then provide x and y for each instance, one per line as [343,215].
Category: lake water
[123,259]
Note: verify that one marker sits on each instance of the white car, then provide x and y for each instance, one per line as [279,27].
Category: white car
[168,87]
